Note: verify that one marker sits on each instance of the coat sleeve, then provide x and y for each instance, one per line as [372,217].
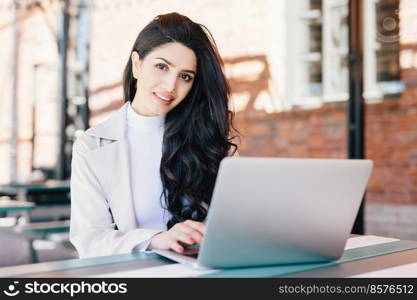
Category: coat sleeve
[93,231]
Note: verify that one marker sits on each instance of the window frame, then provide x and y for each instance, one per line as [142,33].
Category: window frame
[374,91]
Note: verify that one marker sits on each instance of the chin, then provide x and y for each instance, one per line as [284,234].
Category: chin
[164,109]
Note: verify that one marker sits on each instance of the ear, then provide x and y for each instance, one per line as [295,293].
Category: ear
[135,64]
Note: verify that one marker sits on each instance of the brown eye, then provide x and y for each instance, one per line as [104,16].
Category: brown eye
[162,67]
[186,77]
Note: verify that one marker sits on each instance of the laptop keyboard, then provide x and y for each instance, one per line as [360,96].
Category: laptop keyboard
[191,252]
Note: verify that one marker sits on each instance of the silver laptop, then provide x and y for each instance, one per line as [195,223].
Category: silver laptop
[267,211]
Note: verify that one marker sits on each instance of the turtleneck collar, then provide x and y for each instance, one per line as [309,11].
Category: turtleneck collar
[144,123]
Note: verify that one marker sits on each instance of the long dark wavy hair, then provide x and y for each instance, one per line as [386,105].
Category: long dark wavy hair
[198,131]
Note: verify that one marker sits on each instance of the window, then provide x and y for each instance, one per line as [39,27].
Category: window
[318,39]
[381,49]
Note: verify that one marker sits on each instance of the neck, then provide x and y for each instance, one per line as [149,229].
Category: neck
[142,122]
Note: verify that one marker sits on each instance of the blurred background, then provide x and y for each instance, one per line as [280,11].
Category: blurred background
[309,78]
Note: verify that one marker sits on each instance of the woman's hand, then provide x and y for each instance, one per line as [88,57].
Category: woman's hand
[181,234]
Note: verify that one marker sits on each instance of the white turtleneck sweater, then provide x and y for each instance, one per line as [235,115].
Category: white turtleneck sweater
[145,143]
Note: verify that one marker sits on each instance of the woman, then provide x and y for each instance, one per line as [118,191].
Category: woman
[143,179]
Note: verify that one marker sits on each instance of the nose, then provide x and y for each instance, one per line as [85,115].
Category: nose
[170,82]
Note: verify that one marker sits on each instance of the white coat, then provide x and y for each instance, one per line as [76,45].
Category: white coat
[103,221]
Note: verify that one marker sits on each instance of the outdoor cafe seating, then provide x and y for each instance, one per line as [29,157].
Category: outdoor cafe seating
[34,222]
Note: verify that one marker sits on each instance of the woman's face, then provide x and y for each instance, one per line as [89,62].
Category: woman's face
[164,78]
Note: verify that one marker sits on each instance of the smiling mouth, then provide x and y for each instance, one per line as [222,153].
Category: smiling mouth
[167,100]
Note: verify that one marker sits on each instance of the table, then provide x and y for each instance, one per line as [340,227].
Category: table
[7,205]
[39,193]
[52,198]
[99,266]
[49,205]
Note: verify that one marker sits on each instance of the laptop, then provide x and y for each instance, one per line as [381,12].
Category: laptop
[270,211]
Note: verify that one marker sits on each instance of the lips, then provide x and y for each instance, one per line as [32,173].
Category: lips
[166,97]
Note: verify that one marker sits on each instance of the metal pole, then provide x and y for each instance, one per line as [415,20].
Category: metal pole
[83,56]
[15,71]
[63,50]
[35,96]
[356,146]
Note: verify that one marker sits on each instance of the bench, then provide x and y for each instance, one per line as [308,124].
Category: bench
[41,230]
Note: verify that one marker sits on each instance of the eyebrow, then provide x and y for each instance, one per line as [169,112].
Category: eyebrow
[171,64]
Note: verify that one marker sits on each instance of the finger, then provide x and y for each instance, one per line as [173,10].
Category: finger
[183,237]
[194,234]
[176,247]
[201,227]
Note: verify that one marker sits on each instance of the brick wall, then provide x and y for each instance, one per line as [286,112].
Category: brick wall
[299,133]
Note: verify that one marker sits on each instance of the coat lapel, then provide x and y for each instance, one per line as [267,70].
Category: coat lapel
[111,163]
